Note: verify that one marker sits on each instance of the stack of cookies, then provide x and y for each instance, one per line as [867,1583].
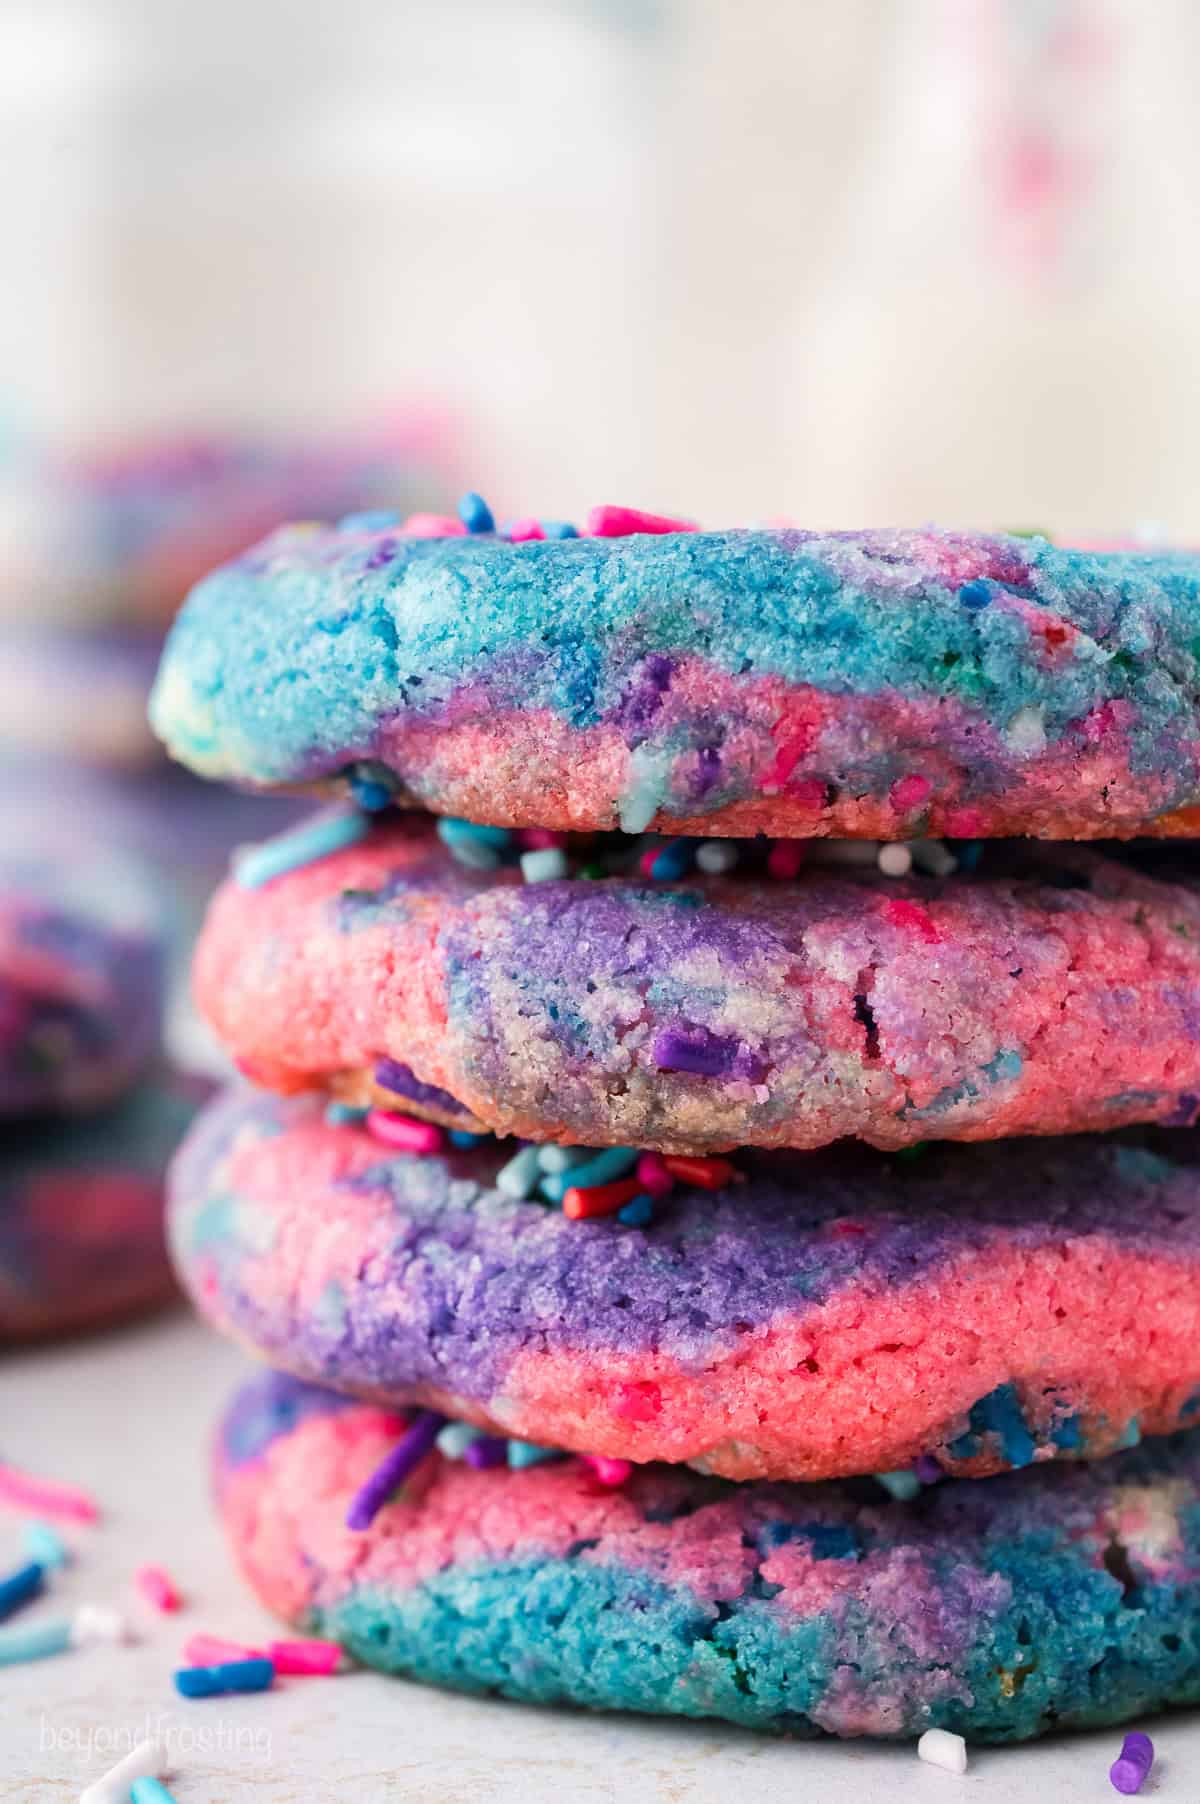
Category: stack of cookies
[645,1332]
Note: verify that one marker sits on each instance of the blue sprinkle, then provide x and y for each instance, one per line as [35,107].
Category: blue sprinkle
[378,519]
[21,1587]
[975,595]
[230,1675]
[342,1114]
[605,1168]
[968,852]
[45,1545]
[559,529]
[673,862]
[528,1453]
[369,793]
[475,513]
[257,865]
[637,1214]
[459,1137]
[903,1486]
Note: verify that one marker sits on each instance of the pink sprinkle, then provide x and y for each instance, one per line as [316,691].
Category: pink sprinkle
[539,839]
[902,913]
[402,1132]
[910,792]
[156,1587]
[617,522]
[648,860]
[44,1497]
[523,530]
[786,857]
[610,1472]
[211,1650]
[433,526]
[304,1658]
[653,1176]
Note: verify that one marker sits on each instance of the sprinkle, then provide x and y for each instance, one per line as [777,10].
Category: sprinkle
[1128,1771]
[148,1760]
[600,1168]
[529,1453]
[618,522]
[545,866]
[433,526]
[369,791]
[785,858]
[580,1204]
[975,595]
[65,1502]
[894,860]
[695,1050]
[706,1174]
[157,1588]
[902,1485]
[304,1659]
[521,531]
[255,865]
[941,1747]
[611,1472]
[653,1176]
[343,1114]
[521,1176]
[486,1451]
[94,1623]
[716,856]
[45,1545]
[375,519]
[639,1213]
[87,1626]
[932,856]
[927,1469]
[454,1439]
[475,513]
[539,839]
[473,845]
[403,1460]
[212,1650]
[405,1134]
[230,1675]
[459,1137]
[559,529]
[150,1791]
[21,1587]
[969,854]
[561,1158]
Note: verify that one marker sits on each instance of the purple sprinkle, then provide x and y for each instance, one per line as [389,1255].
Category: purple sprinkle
[391,1075]
[488,1450]
[698,1050]
[1129,1769]
[404,1458]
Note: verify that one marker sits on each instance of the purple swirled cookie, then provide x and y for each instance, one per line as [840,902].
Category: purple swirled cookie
[888,684]
[830,1314]
[708,1013]
[1000,1610]
[81,969]
[81,1211]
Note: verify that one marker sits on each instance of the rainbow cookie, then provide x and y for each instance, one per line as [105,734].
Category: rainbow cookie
[999,1609]
[81,970]
[81,1234]
[709,1013]
[887,684]
[828,1315]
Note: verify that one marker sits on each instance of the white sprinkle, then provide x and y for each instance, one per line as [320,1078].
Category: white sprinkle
[941,1747]
[543,866]
[716,855]
[1026,732]
[148,1760]
[895,860]
[92,1623]
[521,1174]
[932,856]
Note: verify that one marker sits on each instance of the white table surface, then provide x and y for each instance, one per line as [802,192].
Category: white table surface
[129,1416]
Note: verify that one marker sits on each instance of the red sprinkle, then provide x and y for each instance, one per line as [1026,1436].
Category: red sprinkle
[706,1174]
[902,913]
[599,1199]
[616,522]
[653,1176]
[785,858]
[158,1589]
[402,1132]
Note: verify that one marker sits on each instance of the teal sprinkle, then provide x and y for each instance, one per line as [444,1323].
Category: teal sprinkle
[903,1486]
[459,1137]
[449,829]
[528,1453]
[317,839]
[604,1168]
[637,1214]
[36,1642]
[45,1545]
[341,1114]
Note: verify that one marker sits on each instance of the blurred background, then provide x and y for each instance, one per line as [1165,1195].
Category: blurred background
[870,262]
